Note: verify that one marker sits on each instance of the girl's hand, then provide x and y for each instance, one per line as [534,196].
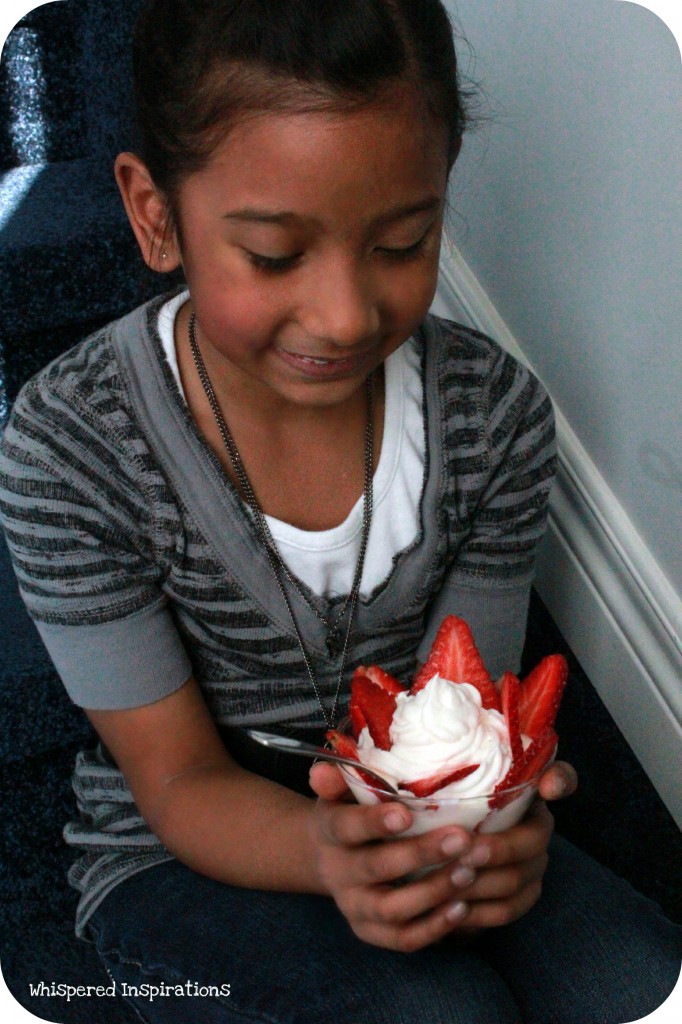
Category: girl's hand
[360,871]
[501,874]
[493,881]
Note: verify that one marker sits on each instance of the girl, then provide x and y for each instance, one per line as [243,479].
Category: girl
[222,504]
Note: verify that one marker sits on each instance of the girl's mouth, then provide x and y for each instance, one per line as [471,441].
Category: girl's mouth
[321,368]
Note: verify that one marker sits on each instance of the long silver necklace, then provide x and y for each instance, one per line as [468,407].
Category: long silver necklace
[336,641]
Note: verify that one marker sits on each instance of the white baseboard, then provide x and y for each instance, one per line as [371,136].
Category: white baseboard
[602,586]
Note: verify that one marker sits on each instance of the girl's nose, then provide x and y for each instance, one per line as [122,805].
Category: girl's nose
[341,307]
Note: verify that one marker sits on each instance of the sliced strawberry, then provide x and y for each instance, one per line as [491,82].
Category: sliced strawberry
[454,656]
[343,744]
[530,764]
[427,787]
[509,698]
[383,679]
[347,747]
[540,695]
[376,705]
[376,675]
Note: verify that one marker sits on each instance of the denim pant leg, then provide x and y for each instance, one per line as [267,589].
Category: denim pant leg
[287,958]
[592,950]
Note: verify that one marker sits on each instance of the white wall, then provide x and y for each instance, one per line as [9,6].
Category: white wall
[574,229]
[568,215]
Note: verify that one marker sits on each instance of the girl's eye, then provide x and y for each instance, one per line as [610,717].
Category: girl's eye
[409,252]
[281,264]
[272,264]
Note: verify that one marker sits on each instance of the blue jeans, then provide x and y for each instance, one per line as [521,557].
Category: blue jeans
[592,951]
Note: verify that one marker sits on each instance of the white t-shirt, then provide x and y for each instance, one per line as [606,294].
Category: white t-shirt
[326,559]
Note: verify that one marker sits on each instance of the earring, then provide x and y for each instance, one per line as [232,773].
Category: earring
[164,255]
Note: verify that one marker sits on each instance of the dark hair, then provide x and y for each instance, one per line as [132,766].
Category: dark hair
[200,65]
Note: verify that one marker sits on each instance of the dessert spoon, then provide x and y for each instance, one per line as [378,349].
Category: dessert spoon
[292,746]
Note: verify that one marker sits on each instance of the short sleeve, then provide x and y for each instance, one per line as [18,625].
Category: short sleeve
[491,570]
[496,617]
[79,526]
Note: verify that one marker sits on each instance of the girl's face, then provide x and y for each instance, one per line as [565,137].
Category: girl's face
[310,245]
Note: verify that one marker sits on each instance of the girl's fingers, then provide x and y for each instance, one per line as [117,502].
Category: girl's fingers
[327,781]
[353,832]
[355,829]
[504,883]
[475,882]
[409,916]
[517,844]
[497,913]
[419,933]
[559,781]
[353,824]
[386,863]
[502,886]
[401,903]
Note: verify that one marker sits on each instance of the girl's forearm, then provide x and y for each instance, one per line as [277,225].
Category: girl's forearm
[238,828]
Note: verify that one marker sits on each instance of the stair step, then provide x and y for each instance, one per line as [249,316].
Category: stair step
[35,712]
[65,82]
[67,253]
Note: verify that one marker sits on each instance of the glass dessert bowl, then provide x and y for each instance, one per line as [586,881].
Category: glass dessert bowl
[484,813]
[458,747]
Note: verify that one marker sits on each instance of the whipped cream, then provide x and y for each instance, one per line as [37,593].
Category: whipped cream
[442,727]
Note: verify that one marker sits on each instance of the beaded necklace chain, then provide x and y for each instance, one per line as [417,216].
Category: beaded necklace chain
[337,641]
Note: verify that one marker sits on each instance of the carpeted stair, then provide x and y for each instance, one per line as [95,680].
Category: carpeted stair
[66,249]
[66,253]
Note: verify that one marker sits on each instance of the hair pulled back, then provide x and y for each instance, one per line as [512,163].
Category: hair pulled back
[201,65]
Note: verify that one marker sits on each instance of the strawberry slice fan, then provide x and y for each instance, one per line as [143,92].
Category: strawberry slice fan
[529,708]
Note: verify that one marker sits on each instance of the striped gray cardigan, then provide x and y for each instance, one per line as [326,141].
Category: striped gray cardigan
[140,564]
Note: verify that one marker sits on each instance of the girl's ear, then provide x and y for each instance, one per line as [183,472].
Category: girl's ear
[147,212]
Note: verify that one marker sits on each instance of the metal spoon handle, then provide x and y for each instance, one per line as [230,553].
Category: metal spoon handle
[292,746]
